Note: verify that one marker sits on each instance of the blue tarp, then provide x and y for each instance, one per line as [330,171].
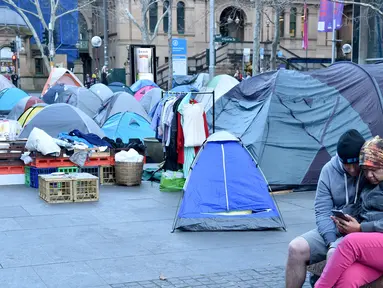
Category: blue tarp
[66,28]
[142,83]
[9,97]
[127,125]
[225,178]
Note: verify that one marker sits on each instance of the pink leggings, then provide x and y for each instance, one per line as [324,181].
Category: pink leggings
[358,260]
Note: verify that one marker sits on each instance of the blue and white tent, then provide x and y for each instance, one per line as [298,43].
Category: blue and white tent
[226,190]
[127,125]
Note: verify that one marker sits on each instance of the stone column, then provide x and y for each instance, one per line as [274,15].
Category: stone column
[78,69]
[299,23]
[287,23]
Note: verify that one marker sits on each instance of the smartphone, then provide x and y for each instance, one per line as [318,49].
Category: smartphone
[339,214]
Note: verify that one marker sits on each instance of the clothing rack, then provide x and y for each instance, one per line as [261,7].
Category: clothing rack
[194,93]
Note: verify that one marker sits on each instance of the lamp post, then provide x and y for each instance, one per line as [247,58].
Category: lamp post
[211,42]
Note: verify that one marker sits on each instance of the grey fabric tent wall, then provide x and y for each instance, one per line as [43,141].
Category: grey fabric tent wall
[57,118]
[120,102]
[291,121]
[82,98]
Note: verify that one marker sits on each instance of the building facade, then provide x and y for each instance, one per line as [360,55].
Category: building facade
[191,21]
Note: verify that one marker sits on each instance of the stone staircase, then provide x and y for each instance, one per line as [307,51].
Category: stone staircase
[228,58]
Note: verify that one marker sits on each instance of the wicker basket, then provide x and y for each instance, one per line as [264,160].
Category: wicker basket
[129,173]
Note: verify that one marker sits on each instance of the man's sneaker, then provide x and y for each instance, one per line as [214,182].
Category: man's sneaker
[313,279]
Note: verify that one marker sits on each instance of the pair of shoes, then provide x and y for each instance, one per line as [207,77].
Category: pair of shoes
[313,279]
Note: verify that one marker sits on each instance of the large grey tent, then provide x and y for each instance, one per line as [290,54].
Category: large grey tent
[82,98]
[120,102]
[291,121]
[57,118]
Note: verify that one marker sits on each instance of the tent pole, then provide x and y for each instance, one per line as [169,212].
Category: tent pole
[213,112]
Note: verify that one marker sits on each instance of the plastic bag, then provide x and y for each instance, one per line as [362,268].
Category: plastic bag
[130,156]
[172,181]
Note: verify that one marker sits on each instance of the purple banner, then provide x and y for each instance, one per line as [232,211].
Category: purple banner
[326,12]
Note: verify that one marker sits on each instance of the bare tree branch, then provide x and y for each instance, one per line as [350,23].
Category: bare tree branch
[367,5]
[131,17]
[155,32]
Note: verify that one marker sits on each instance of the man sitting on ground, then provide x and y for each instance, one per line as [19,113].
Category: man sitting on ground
[338,186]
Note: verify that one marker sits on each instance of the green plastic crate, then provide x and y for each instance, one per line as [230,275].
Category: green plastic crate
[27,171]
[68,170]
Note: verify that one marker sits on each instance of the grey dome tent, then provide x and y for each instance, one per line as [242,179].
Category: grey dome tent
[103,91]
[82,98]
[291,121]
[151,98]
[57,118]
[120,102]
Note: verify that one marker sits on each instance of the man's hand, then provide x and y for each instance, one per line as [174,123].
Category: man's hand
[347,227]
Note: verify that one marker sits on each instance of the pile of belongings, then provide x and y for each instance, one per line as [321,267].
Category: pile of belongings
[77,145]
[135,144]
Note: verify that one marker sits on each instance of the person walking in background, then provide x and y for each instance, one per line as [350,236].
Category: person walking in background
[238,75]
[338,186]
[88,81]
[15,79]
[104,75]
[94,77]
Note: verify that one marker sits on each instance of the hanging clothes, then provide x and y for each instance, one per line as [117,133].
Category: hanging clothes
[171,159]
[193,125]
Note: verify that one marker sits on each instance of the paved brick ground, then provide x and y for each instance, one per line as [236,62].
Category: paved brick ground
[270,277]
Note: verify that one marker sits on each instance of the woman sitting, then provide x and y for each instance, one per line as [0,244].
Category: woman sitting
[358,259]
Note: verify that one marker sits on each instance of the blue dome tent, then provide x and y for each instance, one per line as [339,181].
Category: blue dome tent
[141,84]
[226,190]
[185,88]
[127,125]
[120,87]
[9,97]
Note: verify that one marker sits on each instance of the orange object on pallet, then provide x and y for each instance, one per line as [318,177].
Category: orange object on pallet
[48,162]
[4,170]
[99,161]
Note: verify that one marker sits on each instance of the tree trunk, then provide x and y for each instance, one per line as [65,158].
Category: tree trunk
[256,37]
[170,40]
[274,45]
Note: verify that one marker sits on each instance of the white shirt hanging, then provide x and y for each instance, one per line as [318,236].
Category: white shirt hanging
[193,125]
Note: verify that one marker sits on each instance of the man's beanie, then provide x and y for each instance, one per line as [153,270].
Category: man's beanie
[349,146]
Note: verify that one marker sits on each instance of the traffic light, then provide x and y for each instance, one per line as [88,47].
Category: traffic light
[13,46]
[46,37]
[14,58]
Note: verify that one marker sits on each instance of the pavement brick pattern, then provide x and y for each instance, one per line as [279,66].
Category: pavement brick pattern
[270,277]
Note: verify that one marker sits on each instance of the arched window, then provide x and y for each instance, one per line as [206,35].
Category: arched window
[166,18]
[282,24]
[293,22]
[181,17]
[153,15]
[303,19]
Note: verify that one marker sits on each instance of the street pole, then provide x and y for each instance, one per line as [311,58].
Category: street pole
[106,33]
[212,43]
[51,44]
[18,48]
[333,33]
